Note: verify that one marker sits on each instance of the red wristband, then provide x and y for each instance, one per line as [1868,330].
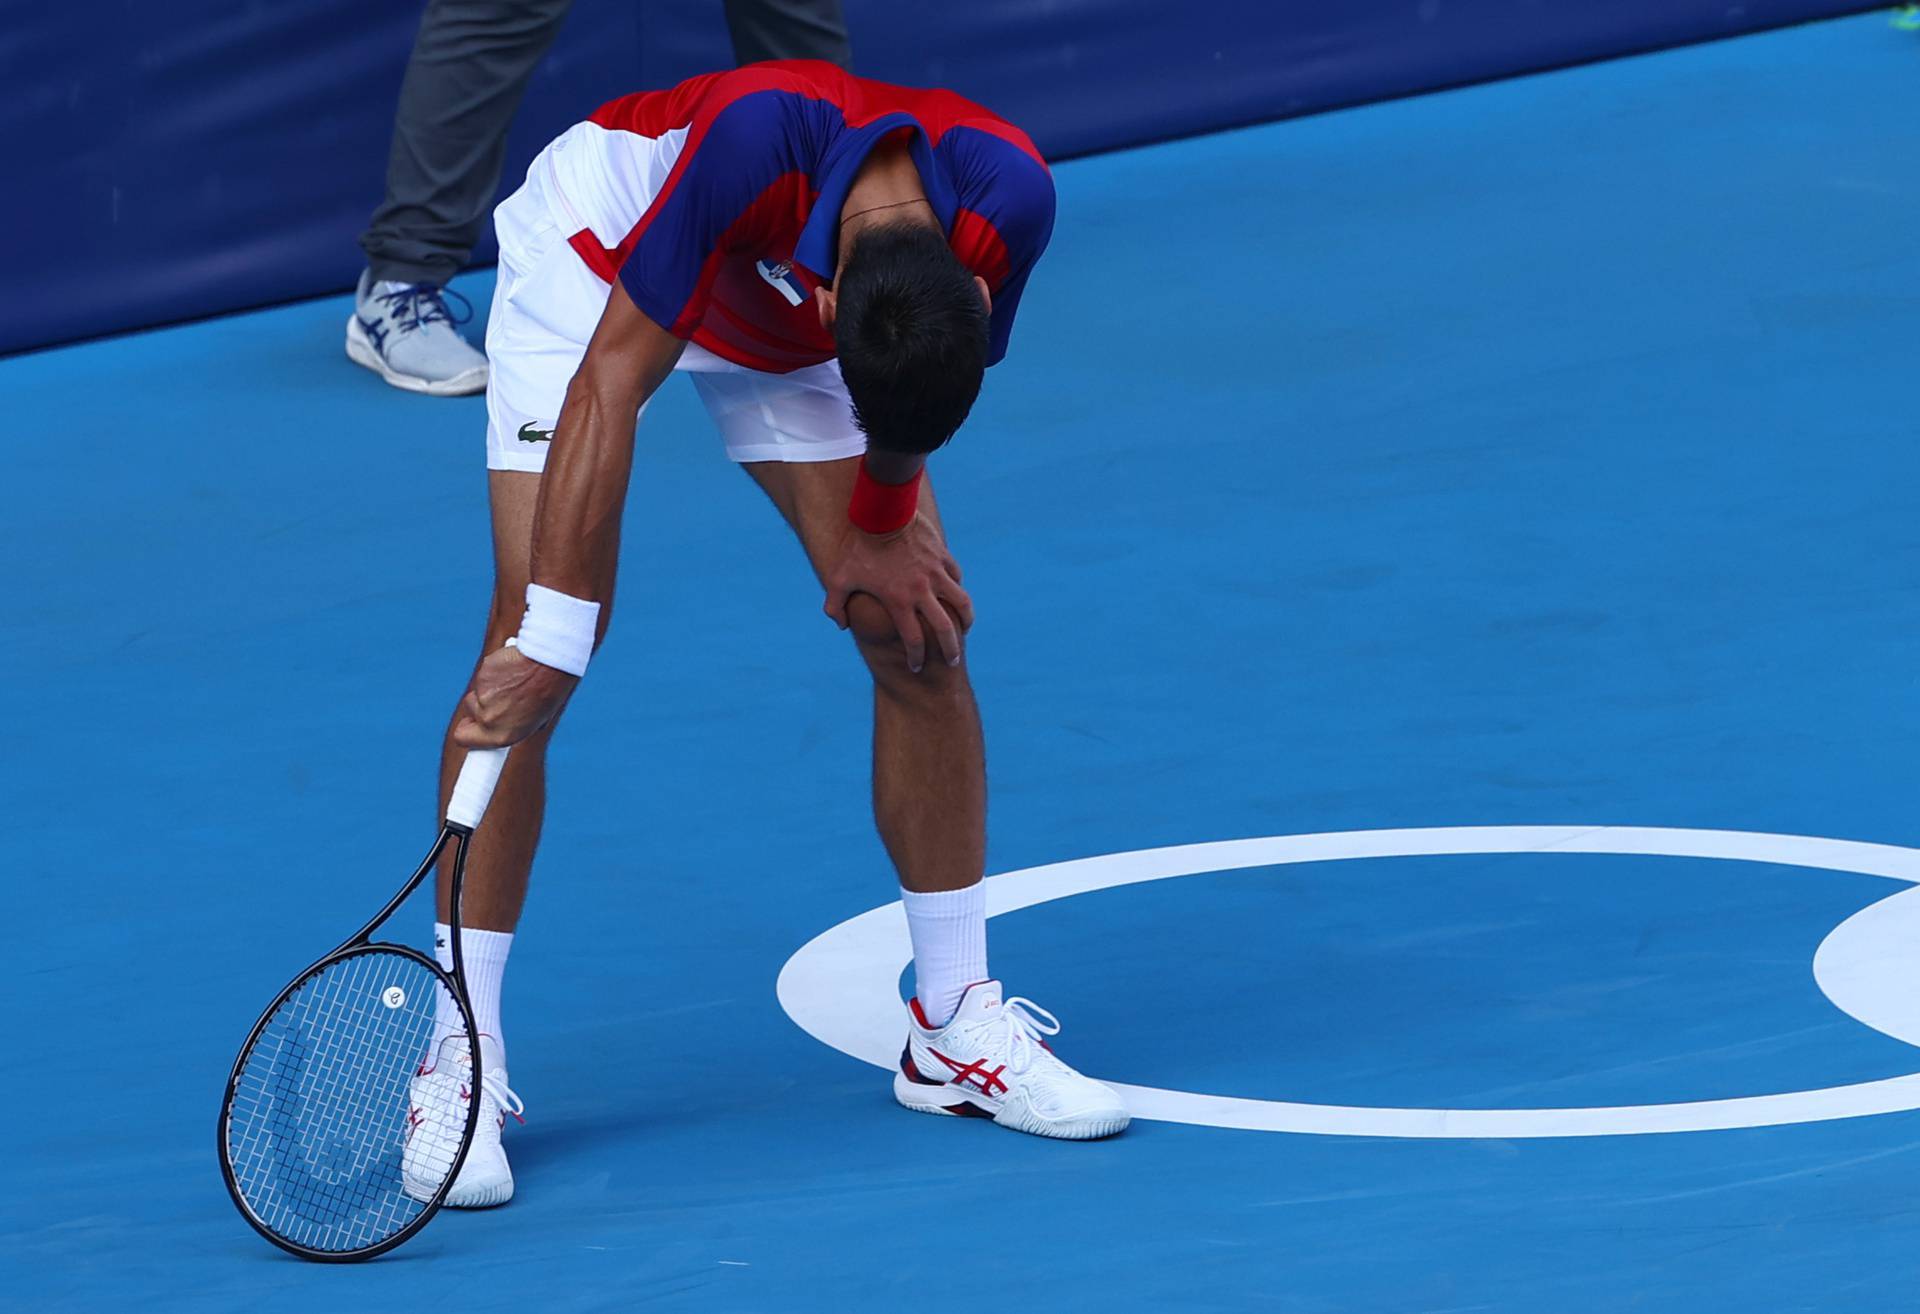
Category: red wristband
[882,508]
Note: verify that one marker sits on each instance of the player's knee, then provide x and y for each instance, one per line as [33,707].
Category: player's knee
[870,625]
[886,654]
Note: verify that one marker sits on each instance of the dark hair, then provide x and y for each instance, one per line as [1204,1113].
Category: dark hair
[912,337]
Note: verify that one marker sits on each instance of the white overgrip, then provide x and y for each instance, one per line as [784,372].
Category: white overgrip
[473,787]
[473,790]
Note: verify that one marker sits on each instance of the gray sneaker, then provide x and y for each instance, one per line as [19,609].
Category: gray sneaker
[404,333]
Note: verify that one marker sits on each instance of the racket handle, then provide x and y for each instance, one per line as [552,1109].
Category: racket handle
[474,788]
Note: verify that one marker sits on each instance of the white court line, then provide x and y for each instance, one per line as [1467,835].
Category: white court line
[842,986]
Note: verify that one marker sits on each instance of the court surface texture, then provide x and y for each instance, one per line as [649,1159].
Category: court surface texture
[1538,457]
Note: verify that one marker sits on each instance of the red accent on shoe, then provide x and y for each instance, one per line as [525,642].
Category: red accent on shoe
[920,1014]
[977,1071]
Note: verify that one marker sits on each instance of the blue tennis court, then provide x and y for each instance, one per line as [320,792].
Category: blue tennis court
[1538,456]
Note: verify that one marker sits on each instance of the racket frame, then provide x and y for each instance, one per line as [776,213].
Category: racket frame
[362,941]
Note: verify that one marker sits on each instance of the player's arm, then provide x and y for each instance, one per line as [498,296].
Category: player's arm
[576,527]
[902,563]
[576,532]
[736,147]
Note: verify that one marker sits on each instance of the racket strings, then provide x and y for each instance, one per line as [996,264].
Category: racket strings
[324,1140]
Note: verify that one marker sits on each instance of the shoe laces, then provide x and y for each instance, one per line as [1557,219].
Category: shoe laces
[416,305]
[1023,1026]
[492,1087]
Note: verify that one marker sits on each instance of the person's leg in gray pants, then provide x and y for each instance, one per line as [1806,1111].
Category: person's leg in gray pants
[788,29]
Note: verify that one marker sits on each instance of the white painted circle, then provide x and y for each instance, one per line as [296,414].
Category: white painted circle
[393,996]
[842,986]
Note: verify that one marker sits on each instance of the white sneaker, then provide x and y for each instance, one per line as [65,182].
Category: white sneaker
[436,1116]
[992,1061]
[404,333]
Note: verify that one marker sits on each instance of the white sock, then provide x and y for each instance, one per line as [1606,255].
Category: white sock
[949,933]
[486,962]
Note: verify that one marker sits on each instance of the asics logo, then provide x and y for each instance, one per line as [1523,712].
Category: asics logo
[973,1075]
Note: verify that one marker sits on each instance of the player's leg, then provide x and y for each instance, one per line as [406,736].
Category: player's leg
[530,365]
[969,1050]
[929,760]
[531,362]
[795,435]
[499,860]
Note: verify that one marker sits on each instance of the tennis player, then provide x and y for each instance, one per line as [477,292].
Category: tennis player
[835,262]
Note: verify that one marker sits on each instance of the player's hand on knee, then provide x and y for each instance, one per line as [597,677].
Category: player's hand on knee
[914,578]
[510,698]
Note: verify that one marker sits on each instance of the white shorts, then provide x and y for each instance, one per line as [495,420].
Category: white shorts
[546,304]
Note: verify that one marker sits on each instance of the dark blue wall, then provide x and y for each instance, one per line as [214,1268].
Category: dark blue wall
[185,157]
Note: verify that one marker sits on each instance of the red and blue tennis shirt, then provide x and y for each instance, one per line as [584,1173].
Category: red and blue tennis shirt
[717,203]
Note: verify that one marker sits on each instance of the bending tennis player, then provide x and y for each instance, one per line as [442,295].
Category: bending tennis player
[835,262]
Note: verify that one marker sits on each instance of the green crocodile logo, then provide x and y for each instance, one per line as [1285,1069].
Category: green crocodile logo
[529,434]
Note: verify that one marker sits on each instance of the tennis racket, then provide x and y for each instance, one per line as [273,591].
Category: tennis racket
[316,1138]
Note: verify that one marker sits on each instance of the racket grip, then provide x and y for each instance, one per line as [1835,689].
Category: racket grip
[473,790]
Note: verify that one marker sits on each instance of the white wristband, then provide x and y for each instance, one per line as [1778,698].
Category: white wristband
[557,630]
